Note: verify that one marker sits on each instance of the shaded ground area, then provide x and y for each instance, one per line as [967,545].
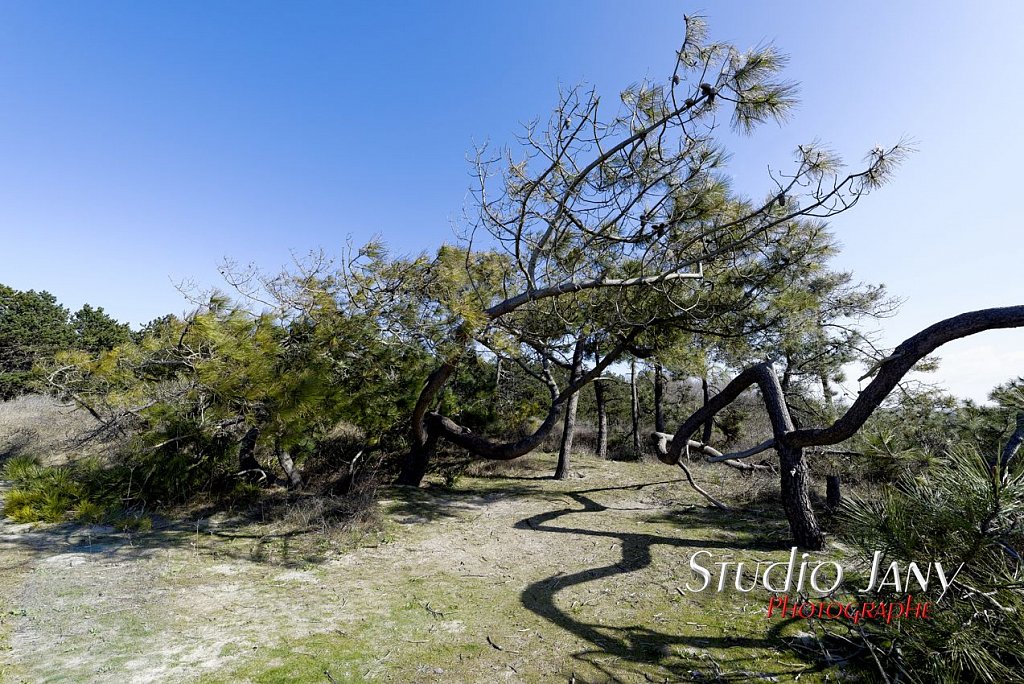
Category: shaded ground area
[518,579]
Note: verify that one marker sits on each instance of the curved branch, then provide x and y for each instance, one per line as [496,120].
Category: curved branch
[568,287]
[899,363]
[736,456]
[479,445]
[764,377]
[890,372]
[661,441]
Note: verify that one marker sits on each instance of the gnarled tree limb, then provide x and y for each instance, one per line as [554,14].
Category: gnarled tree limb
[790,442]
[661,441]
[899,363]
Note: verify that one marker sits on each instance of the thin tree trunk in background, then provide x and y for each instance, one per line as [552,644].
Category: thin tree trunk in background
[569,425]
[709,424]
[602,420]
[787,376]
[568,430]
[830,403]
[284,459]
[659,396]
[635,408]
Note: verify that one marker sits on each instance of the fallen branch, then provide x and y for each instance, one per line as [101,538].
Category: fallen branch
[697,488]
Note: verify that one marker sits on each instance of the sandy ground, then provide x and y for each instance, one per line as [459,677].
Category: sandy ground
[501,579]
[510,578]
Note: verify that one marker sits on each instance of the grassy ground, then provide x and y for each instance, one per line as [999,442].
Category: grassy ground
[510,577]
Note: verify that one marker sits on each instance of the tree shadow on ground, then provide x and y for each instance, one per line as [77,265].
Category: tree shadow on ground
[254,534]
[411,505]
[640,644]
[297,538]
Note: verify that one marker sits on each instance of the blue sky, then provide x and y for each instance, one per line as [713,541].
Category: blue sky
[141,143]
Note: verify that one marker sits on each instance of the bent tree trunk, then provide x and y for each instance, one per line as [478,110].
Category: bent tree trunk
[789,442]
[428,427]
[424,442]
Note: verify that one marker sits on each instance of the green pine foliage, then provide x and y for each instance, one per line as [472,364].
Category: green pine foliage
[961,509]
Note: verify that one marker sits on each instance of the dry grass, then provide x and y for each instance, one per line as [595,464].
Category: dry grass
[41,426]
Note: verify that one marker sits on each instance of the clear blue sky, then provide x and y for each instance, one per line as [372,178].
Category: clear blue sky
[141,143]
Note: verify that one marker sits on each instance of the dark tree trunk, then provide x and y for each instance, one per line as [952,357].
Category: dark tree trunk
[414,466]
[568,430]
[659,397]
[634,408]
[833,493]
[709,424]
[249,468]
[424,440]
[796,502]
[602,420]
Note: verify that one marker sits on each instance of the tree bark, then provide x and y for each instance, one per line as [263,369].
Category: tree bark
[569,426]
[796,501]
[659,397]
[284,459]
[249,468]
[634,408]
[568,430]
[709,424]
[602,420]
